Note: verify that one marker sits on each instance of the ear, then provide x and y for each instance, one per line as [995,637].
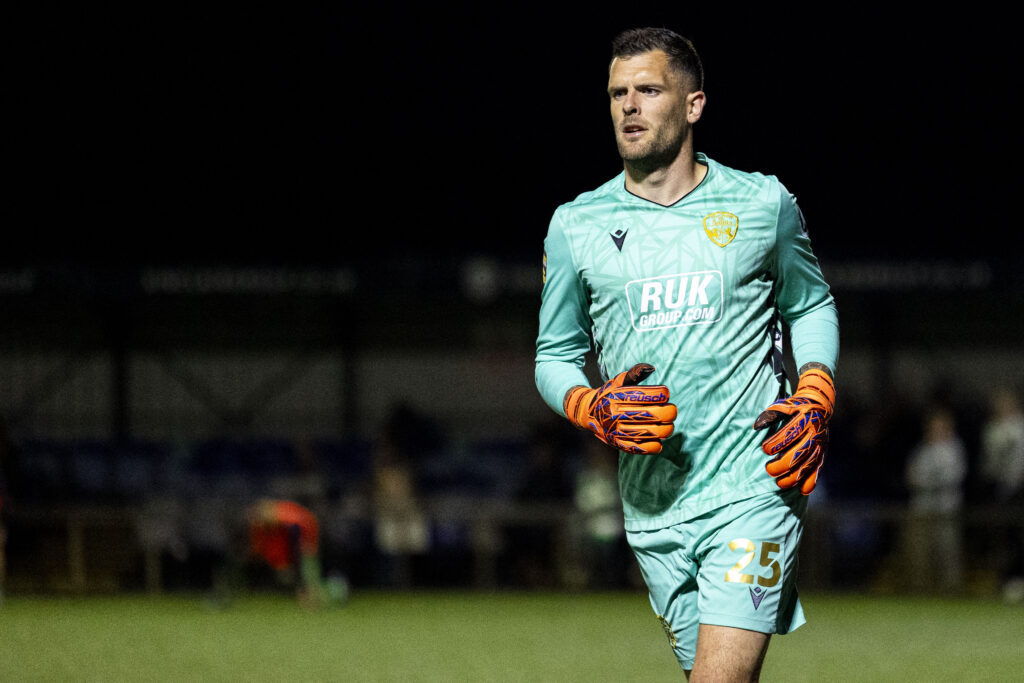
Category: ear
[695,102]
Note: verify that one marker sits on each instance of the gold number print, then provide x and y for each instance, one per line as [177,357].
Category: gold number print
[766,549]
[736,575]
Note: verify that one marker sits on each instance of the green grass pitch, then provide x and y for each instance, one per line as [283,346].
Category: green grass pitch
[466,636]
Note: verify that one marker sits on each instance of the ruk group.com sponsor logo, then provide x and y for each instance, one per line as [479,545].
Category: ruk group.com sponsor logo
[667,301]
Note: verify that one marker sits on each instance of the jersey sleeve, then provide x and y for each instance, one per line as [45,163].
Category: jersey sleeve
[563,337]
[802,295]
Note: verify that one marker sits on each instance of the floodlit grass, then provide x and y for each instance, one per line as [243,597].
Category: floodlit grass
[454,636]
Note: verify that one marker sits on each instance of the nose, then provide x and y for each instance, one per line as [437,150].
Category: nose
[630,104]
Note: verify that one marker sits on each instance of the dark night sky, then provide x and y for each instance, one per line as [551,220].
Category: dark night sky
[276,134]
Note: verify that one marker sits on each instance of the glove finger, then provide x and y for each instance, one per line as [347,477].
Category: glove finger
[638,373]
[663,412]
[789,434]
[612,384]
[804,473]
[631,430]
[791,459]
[640,395]
[766,418]
[775,412]
[819,457]
[793,477]
[640,447]
[810,482]
[806,470]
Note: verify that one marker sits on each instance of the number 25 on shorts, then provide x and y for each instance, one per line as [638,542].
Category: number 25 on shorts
[768,549]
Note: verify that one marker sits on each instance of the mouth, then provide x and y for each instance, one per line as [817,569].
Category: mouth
[632,130]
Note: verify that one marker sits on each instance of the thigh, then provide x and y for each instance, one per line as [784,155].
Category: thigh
[670,575]
[728,654]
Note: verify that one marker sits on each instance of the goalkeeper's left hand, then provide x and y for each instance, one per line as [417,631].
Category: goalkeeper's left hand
[800,444]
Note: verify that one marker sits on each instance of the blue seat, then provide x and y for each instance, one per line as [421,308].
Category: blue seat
[346,462]
[44,466]
[215,459]
[92,469]
[139,470]
[267,457]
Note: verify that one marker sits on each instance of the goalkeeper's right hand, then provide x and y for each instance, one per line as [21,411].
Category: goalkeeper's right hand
[631,418]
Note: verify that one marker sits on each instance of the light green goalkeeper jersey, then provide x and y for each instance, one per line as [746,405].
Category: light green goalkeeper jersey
[697,289]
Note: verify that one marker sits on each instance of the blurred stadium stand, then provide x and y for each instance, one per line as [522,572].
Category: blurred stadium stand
[139,401]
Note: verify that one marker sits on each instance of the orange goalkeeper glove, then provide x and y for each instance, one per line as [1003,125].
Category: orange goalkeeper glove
[631,418]
[800,444]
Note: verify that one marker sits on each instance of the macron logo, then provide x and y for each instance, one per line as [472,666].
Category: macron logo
[675,300]
[619,236]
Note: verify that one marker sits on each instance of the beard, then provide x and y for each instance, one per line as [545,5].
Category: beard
[650,155]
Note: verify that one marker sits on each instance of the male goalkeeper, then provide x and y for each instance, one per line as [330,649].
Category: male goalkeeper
[680,271]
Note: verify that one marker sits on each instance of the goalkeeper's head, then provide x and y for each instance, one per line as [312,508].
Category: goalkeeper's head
[655,90]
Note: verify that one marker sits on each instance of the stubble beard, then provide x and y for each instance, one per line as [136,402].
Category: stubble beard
[649,156]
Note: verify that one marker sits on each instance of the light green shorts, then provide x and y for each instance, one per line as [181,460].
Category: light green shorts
[734,566]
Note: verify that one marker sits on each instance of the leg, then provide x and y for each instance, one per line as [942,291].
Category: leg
[670,576]
[747,586]
[728,655]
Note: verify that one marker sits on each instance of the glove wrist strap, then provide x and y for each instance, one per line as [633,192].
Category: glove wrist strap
[573,404]
[818,382]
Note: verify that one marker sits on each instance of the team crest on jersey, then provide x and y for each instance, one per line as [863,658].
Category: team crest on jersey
[721,227]
[544,270]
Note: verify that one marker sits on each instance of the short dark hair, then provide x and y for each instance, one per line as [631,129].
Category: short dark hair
[682,55]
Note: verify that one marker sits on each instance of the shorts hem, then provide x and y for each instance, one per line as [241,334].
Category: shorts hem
[760,625]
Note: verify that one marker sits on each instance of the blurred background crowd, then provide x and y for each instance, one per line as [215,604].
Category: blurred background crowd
[146,408]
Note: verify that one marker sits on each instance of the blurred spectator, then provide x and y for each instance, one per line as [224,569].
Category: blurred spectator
[604,549]
[935,476]
[400,527]
[1002,461]
[1002,471]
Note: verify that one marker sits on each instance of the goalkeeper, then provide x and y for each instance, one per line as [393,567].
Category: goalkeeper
[678,274]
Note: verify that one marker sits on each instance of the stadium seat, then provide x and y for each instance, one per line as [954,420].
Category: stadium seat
[92,470]
[139,470]
[44,466]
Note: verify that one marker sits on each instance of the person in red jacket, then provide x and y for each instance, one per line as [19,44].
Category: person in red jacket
[284,536]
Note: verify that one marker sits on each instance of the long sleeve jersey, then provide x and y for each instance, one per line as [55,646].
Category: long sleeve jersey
[699,290]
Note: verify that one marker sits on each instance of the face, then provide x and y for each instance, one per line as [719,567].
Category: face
[652,110]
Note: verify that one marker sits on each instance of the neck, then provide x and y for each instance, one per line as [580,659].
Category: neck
[666,184]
